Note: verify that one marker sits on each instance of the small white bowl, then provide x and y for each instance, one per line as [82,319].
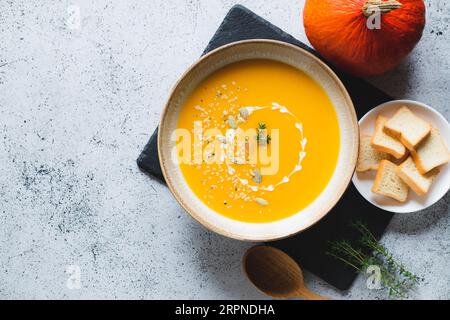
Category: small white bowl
[363,181]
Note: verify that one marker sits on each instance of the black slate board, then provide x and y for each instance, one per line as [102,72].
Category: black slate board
[309,247]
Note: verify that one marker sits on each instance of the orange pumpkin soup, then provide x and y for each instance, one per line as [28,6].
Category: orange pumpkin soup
[259,140]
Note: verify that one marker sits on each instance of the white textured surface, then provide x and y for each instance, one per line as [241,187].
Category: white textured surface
[77,106]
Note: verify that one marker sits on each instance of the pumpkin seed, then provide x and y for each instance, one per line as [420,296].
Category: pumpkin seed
[257,177]
[244,113]
[232,122]
[261,201]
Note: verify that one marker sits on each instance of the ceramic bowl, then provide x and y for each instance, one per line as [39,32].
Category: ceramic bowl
[349,139]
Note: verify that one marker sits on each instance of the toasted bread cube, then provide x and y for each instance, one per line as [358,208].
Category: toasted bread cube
[420,183]
[388,183]
[384,142]
[407,127]
[368,157]
[431,153]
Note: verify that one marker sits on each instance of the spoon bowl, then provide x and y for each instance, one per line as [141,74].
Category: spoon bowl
[276,274]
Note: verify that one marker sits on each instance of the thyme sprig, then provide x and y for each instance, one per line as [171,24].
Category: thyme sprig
[262,135]
[393,275]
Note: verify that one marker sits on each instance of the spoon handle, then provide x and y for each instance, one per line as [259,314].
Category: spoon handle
[309,295]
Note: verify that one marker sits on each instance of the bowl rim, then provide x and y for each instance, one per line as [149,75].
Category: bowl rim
[343,186]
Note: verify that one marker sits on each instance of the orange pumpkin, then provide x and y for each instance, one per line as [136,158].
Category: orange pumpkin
[364,37]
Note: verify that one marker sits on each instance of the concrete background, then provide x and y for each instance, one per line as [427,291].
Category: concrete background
[79,101]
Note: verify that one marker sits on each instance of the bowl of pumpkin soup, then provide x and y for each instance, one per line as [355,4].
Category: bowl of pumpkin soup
[258,140]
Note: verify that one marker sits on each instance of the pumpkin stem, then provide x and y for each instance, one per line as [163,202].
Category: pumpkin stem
[381,6]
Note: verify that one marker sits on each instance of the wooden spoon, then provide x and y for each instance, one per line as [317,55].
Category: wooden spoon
[276,274]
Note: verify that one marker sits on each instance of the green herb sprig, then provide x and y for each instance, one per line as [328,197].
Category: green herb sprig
[261,127]
[393,274]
